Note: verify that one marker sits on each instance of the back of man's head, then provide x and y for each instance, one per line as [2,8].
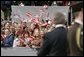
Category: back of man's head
[77,10]
[59,18]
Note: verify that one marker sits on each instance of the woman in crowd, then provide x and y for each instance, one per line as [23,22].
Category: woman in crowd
[28,39]
[36,33]
[19,42]
[7,25]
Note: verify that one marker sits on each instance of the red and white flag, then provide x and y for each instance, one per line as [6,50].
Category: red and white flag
[29,15]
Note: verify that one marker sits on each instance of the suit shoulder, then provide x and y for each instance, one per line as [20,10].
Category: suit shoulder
[49,34]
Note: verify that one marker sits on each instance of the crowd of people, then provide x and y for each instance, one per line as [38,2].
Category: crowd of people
[50,36]
[21,35]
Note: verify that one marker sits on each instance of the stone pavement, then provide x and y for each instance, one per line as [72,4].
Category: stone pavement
[18,51]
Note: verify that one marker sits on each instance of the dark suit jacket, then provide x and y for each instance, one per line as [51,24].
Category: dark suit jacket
[55,43]
[74,50]
[8,41]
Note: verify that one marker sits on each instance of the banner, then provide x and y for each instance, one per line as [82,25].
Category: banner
[21,13]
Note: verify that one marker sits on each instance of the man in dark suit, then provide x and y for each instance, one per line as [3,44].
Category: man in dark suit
[74,44]
[55,42]
[8,40]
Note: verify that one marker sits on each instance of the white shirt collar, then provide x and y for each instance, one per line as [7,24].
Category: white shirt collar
[60,25]
[78,21]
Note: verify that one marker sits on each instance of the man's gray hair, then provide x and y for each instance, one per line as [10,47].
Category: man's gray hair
[59,18]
